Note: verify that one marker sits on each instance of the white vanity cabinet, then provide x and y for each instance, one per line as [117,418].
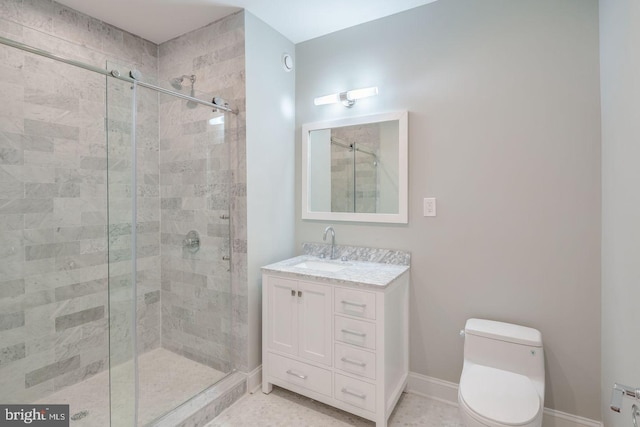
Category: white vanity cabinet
[300,320]
[341,344]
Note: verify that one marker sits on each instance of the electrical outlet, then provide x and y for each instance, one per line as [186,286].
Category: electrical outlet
[430,206]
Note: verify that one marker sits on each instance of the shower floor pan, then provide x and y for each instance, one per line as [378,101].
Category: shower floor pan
[166,381]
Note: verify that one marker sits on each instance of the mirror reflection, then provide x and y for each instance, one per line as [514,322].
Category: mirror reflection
[354,168]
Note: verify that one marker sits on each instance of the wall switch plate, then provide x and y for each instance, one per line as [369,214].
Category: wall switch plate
[430,206]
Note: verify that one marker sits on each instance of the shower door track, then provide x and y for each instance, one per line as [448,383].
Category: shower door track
[114,73]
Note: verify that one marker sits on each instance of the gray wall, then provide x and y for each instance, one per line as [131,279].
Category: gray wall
[620,68]
[270,165]
[504,129]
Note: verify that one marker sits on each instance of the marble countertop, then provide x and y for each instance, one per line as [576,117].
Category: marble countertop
[362,273]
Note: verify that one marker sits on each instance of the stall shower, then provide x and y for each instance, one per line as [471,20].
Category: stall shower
[105,168]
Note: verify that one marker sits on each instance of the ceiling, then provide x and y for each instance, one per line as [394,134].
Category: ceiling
[298,20]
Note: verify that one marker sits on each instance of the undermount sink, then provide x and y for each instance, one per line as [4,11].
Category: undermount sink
[322,266]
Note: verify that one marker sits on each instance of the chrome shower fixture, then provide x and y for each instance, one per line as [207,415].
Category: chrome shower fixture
[219,101]
[176,82]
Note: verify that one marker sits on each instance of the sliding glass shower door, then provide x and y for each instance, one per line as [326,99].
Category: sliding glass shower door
[122,233]
[169,245]
[54,317]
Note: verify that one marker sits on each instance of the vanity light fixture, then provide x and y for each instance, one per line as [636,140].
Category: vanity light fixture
[347,98]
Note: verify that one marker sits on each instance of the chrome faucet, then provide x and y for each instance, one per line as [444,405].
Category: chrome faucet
[333,240]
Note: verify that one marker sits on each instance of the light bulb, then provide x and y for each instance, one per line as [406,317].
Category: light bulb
[362,93]
[327,99]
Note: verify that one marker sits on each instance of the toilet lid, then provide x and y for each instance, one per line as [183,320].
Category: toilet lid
[501,396]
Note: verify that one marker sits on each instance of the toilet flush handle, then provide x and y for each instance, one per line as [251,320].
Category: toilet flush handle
[462,333]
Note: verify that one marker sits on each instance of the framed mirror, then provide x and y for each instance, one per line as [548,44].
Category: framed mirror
[356,169]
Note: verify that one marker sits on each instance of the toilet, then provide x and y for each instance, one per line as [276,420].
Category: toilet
[502,381]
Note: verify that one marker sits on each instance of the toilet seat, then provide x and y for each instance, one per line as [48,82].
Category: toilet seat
[499,397]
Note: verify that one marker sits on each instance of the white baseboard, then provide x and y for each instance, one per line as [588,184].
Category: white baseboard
[254,380]
[553,418]
[433,388]
[447,392]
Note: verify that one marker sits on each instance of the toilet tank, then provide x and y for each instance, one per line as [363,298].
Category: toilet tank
[504,346]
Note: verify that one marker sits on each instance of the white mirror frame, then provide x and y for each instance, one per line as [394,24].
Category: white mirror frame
[403,169]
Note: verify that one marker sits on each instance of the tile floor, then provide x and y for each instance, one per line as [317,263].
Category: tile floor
[166,380]
[283,408]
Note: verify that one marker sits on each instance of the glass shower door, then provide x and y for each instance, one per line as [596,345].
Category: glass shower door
[170,301]
[122,225]
[53,259]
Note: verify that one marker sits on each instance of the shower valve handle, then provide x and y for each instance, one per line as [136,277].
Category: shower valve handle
[192,241]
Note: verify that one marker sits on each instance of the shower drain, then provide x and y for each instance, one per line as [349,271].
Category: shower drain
[79,415]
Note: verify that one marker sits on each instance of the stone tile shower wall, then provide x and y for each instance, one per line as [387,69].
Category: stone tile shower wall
[202,182]
[53,200]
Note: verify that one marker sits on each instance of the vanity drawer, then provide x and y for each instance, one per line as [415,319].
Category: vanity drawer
[356,332]
[355,361]
[355,303]
[355,392]
[300,374]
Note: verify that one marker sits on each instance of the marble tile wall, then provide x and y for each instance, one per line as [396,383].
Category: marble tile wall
[202,184]
[53,200]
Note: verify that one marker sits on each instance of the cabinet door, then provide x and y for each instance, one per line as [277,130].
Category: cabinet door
[315,316]
[283,315]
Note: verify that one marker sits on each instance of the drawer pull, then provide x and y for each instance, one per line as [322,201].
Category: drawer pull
[352,332]
[293,293]
[355,304]
[354,393]
[302,377]
[353,362]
